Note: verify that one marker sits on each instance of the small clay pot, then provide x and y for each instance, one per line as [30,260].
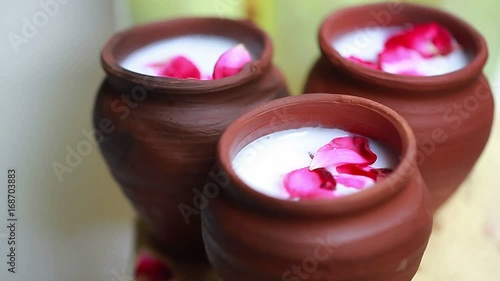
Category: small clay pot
[451,115]
[159,134]
[378,234]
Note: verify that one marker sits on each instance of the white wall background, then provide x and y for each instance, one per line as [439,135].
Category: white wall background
[80,228]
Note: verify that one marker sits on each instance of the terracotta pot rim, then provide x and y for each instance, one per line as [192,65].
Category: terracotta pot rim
[361,200]
[453,79]
[251,71]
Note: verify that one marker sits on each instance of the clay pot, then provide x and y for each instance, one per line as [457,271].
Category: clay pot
[378,234]
[451,115]
[159,134]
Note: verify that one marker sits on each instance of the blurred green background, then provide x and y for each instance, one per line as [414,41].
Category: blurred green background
[293,24]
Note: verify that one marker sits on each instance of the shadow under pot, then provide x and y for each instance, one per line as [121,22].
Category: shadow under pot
[254,231]
[159,134]
[450,111]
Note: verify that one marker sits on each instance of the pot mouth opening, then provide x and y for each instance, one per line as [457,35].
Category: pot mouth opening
[354,114]
[124,43]
[391,14]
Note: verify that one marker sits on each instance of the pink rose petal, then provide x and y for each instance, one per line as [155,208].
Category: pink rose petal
[179,67]
[207,77]
[306,184]
[358,182]
[400,60]
[152,269]
[231,62]
[428,40]
[412,72]
[343,150]
[368,64]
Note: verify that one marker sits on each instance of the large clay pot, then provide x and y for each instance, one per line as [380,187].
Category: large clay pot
[450,114]
[159,134]
[378,234]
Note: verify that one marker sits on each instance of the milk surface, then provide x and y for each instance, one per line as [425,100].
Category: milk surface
[263,163]
[202,50]
[367,43]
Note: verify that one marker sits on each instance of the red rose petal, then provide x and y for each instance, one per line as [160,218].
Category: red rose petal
[358,170]
[179,67]
[343,150]
[400,60]
[368,64]
[231,62]
[383,173]
[355,181]
[152,269]
[365,171]
[306,184]
[429,40]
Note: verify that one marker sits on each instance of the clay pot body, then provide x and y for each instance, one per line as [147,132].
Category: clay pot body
[159,134]
[451,115]
[378,234]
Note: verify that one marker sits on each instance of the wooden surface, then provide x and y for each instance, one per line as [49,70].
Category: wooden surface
[464,246]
